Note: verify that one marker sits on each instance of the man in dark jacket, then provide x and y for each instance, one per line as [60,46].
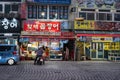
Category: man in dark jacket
[39,53]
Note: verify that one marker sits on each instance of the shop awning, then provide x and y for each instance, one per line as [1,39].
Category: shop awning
[46,37]
[63,35]
[98,33]
[103,35]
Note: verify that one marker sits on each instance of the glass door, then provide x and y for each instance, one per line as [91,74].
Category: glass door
[97,51]
[100,50]
[93,50]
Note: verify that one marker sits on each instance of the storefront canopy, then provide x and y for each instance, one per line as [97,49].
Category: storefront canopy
[98,33]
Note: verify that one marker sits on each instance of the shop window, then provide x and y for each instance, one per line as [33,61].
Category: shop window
[42,12]
[32,11]
[7,8]
[87,16]
[104,16]
[1,7]
[117,17]
[35,12]
[109,16]
[14,7]
[58,12]
[11,7]
[53,13]
[90,16]
[65,12]
[83,15]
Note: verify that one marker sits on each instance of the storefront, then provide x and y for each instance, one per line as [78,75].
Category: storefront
[44,33]
[9,31]
[98,46]
[96,40]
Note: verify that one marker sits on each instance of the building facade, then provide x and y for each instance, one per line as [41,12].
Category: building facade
[96,26]
[46,22]
[10,23]
[88,28]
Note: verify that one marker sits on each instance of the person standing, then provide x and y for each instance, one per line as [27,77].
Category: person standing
[47,53]
[63,54]
[67,54]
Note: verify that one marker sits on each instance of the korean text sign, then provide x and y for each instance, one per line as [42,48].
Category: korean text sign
[9,25]
[41,26]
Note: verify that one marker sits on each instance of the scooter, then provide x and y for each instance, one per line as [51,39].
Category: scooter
[40,61]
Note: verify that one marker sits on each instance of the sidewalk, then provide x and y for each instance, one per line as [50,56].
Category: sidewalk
[62,70]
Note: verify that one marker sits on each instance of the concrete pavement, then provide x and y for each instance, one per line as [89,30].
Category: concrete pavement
[62,70]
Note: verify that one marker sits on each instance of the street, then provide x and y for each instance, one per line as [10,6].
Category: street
[62,70]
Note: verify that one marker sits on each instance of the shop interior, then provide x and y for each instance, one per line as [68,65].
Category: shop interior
[98,50]
[56,48]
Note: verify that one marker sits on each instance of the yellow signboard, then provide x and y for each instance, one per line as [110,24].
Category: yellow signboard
[84,24]
[102,39]
[112,46]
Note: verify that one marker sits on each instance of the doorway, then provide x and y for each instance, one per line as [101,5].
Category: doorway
[97,51]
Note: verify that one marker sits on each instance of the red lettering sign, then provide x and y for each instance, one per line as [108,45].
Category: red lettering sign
[41,26]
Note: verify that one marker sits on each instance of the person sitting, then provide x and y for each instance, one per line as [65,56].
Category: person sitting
[39,53]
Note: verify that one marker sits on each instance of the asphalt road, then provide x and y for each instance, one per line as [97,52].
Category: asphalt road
[62,70]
